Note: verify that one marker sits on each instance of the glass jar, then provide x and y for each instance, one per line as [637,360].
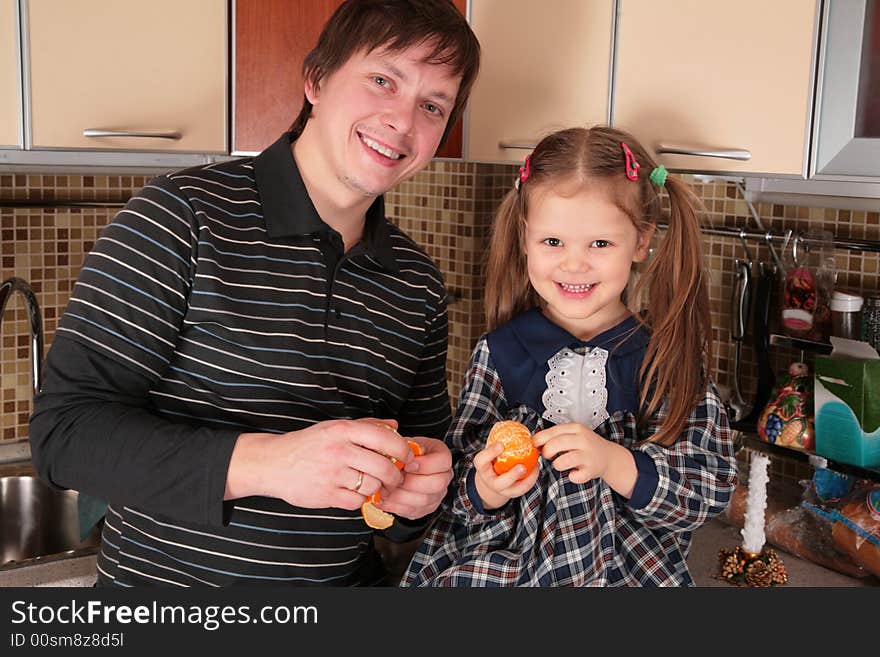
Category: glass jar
[846,315]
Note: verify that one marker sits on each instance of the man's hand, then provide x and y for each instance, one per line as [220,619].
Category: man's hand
[425,481]
[320,466]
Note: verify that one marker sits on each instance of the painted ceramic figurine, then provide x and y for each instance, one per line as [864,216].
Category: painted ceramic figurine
[787,420]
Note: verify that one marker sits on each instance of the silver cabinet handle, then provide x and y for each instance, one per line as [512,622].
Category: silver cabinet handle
[733,154]
[521,145]
[97,132]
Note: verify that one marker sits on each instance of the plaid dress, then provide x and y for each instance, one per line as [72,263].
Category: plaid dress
[560,533]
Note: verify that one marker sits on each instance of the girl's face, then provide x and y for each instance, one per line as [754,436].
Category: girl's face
[579,251]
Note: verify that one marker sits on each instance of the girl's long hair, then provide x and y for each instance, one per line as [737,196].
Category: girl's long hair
[673,285]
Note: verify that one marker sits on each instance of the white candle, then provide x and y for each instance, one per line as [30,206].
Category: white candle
[756,503]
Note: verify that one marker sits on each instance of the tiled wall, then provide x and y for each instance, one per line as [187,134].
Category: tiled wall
[447,209]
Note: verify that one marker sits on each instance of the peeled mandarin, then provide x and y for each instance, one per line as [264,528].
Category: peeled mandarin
[516,441]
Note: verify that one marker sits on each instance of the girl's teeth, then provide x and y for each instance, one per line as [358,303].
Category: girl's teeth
[576,288]
[379,148]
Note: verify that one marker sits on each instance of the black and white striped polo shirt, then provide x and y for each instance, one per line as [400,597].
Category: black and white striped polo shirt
[221,303]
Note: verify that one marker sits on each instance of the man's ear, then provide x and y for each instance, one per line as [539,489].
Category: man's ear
[644,244]
[312,88]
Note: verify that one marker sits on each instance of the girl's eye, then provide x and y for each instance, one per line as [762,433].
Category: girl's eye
[601,244]
[552,241]
[433,109]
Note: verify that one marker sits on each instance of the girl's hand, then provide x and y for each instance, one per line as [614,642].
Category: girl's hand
[586,455]
[496,490]
[576,449]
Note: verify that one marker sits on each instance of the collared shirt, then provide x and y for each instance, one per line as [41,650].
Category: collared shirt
[218,302]
[560,533]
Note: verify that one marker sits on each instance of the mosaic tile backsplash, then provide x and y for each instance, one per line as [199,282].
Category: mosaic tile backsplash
[447,209]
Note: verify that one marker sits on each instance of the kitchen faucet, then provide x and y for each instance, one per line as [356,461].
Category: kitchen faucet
[7,288]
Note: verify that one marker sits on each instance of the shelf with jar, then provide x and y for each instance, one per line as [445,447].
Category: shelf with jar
[839,388]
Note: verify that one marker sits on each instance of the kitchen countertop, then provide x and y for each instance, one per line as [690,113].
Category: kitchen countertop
[57,570]
[717,534]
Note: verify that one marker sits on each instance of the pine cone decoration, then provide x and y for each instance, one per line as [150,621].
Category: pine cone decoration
[778,573]
[758,574]
[728,564]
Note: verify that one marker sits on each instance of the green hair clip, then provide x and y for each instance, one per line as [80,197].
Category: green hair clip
[658,176]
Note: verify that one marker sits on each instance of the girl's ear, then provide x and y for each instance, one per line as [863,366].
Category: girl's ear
[643,244]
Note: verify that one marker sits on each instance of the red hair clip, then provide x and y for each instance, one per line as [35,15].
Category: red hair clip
[524,171]
[632,166]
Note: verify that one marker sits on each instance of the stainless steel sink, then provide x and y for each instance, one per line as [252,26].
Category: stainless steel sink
[37,521]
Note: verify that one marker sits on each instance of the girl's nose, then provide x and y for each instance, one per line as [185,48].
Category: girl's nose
[575,260]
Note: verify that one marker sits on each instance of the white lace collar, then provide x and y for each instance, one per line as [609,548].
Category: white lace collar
[576,387]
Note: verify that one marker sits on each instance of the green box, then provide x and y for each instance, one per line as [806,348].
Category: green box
[846,400]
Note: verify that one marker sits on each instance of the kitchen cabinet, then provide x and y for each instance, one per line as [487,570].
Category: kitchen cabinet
[10,95]
[109,75]
[545,65]
[718,77]
[272,38]
[847,143]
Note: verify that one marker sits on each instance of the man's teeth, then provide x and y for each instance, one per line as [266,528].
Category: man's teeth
[576,288]
[379,148]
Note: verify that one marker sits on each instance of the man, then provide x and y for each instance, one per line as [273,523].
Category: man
[246,336]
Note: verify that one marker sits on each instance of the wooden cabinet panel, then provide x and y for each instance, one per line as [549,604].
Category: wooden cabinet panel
[129,66]
[10,98]
[718,75]
[272,38]
[545,66]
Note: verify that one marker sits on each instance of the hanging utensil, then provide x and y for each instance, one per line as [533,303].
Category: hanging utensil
[761,333]
[739,313]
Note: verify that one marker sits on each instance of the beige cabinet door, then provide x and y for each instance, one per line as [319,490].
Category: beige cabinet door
[545,65]
[156,71]
[718,76]
[10,96]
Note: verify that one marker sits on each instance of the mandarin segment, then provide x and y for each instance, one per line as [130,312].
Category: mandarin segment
[518,448]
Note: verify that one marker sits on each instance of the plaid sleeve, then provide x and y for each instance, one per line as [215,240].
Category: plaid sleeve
[481,403]
[696,474]
[450,553]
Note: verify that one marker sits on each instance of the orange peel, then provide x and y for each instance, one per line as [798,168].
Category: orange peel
[373,515]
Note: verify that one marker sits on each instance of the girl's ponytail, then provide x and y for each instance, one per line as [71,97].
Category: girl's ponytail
[678,359]
[508,290]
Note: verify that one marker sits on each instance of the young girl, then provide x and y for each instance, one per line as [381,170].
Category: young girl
[636,448]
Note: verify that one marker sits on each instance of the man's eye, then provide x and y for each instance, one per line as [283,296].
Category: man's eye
[382,82]
[601,244]
[553,241]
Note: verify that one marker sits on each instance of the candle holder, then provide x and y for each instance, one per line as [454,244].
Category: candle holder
[748,569]
[752,564]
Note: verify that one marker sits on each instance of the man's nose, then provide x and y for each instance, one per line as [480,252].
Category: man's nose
[400,115]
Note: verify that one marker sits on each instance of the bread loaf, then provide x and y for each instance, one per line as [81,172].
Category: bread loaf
[857,533]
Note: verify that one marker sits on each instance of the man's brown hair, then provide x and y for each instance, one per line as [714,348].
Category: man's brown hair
[395,25]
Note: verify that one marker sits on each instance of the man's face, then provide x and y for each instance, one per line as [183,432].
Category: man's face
[380,117]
